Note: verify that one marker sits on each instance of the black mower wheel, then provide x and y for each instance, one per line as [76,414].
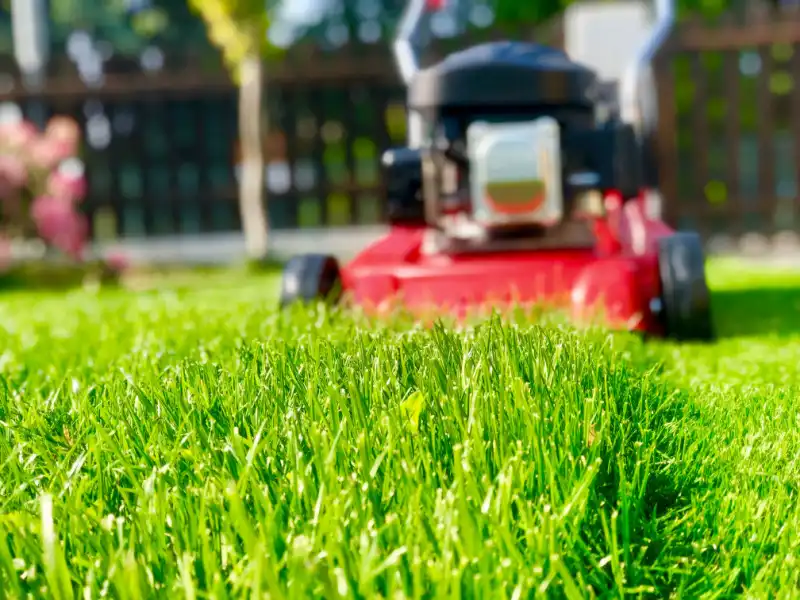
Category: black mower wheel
[310,278]
[685,300]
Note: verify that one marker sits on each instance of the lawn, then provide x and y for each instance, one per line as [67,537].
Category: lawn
[187,441]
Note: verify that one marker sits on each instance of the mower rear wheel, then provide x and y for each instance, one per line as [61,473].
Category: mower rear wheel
[685,300]
[310,278]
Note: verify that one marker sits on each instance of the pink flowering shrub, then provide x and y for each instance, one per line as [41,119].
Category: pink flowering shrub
[42,185]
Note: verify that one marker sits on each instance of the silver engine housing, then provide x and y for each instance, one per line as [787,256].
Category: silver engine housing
[515,173]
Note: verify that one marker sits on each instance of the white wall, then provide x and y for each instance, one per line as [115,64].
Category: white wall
[605,36]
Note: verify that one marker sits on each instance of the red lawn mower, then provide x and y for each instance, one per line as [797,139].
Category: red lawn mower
[514,190]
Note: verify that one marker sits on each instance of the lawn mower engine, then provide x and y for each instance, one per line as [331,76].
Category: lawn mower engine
[515,192]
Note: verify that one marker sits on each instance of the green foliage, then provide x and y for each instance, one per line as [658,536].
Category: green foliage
[516,11]
[167,23]
[706,8]
[237,27]
[150,22]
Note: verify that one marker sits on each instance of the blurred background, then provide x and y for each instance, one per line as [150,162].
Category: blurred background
[155,110]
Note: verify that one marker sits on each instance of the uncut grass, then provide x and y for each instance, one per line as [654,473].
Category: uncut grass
[198,449]
[196,444]
[743,517]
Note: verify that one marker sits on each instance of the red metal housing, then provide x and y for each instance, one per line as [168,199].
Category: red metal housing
[618,277]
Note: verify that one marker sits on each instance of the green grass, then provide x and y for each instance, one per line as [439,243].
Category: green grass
[189,442]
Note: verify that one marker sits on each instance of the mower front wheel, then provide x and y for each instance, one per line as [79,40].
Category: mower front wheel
[685,300]
[310,278]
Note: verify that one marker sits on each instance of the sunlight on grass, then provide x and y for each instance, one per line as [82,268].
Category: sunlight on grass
[188,441]
[731,274]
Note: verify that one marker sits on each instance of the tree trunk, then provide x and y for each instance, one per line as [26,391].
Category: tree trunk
[251,180]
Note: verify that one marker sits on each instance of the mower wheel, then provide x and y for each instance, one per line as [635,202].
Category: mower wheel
[685,302]
[310,278]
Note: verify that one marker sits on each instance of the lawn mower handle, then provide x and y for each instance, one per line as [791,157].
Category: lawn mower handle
[637,91]
[409,40]
[407,49]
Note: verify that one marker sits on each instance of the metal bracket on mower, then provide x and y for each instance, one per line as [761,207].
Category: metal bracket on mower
[407,49]
[408,45]
[410,39]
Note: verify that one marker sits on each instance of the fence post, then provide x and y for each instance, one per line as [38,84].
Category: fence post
[32,49]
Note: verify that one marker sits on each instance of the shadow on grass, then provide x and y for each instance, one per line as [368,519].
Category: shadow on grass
[757,311]
[45,277]
[60,277]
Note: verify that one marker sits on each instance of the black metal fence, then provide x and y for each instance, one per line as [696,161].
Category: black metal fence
[161,153]
[729,99]
[160,123]
[161,150]
[160,126]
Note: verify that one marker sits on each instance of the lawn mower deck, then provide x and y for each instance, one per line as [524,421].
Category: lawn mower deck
[397,268]
[656,287]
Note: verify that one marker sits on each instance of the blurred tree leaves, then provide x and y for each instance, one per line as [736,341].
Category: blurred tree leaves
[128,25]
[534,12]
[135,23]
[150,22]
[512,12]
[237,27]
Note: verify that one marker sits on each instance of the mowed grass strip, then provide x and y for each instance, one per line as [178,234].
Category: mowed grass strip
[195,444]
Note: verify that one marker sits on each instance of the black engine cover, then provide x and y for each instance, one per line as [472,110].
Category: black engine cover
[610,151]
[402,174]
[503,74]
